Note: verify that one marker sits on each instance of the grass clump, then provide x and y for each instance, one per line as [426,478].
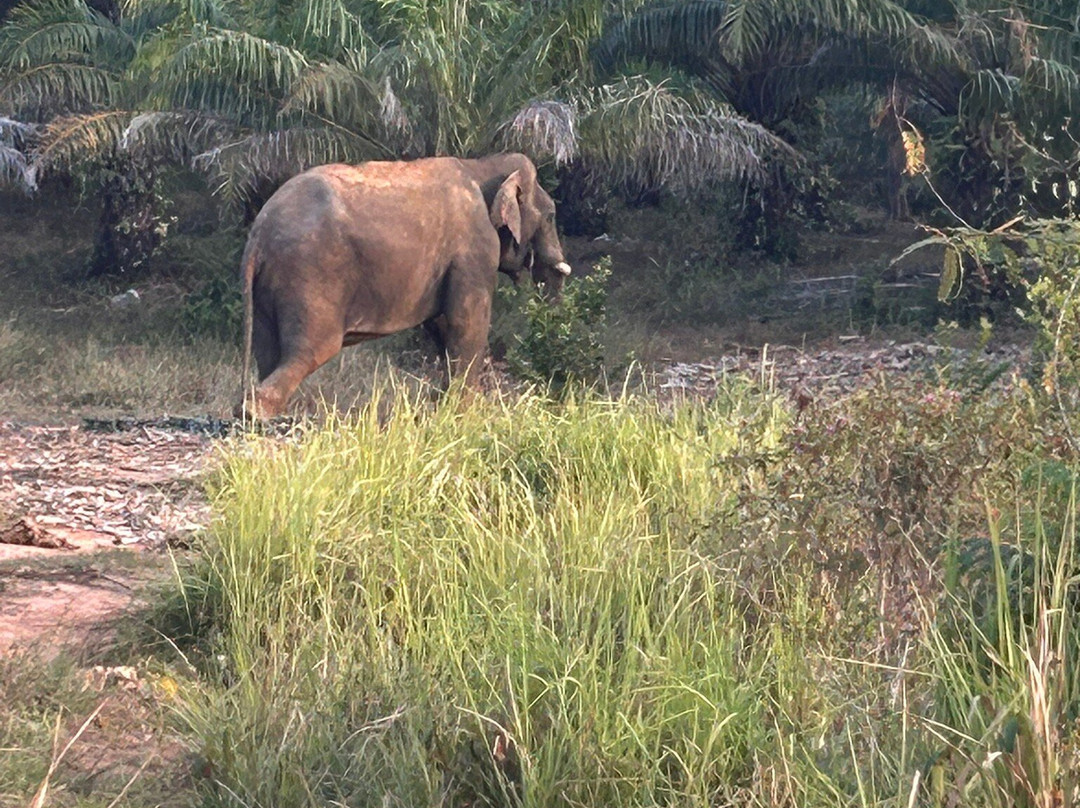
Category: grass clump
[489,604]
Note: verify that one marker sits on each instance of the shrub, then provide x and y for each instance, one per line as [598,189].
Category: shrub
[215,309]
[1053,248]
[562,340]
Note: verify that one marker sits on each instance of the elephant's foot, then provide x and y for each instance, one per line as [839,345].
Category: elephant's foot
[260,406]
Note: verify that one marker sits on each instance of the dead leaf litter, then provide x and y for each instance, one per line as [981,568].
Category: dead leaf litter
[68,487]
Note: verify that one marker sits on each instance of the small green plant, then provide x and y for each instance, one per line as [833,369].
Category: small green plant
[1054,307]
[214,309]
[1042,259]
[562,343]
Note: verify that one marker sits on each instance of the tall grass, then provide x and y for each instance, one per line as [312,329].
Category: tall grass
[621,603]
[469,603]
[1004,653]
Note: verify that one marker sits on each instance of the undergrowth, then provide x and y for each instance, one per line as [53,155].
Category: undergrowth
[623,602]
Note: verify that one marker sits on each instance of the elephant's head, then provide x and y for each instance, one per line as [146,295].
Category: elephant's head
[524,215]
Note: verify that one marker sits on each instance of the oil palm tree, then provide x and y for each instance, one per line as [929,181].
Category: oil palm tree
[66,99]
[1002,83]
[251,92]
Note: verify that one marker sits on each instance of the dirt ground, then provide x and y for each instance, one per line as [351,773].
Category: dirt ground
[78,508]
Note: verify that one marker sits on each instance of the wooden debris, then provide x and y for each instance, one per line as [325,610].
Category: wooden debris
[137,486]
[27,532]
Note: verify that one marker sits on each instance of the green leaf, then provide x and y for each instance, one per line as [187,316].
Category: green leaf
[951,275]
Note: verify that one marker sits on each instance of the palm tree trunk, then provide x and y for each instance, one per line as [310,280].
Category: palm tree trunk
[130,228]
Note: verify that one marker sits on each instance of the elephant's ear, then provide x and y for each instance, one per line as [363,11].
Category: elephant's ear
[506,209]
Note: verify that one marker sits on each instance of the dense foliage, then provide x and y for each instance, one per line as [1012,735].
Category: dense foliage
[633,96]
[250,93]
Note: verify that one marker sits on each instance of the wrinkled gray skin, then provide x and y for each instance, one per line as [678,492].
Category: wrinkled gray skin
[342,254]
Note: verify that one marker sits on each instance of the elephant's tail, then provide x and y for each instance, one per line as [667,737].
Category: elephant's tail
[247,283]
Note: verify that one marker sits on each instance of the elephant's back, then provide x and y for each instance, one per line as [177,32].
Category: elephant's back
[303,200]
[378,178]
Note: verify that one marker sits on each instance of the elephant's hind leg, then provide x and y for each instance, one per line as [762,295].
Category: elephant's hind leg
[302,353]
[265,346]
[436,329]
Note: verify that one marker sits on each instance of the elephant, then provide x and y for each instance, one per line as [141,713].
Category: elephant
[345,253]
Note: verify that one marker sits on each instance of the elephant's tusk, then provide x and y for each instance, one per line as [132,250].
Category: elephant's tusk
[562,268]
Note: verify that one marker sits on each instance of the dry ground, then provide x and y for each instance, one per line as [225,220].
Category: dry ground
[71,500]
[95,517]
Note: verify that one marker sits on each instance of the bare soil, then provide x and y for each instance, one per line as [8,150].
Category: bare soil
[71,500]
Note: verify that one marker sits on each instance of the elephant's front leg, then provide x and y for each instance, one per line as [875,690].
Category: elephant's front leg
[465,329]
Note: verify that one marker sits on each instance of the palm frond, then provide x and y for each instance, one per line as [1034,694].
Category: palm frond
[859,18]
[392,112]
[62,30]
[16,139]
[1060,42]
[238,169]
[570,31]
[1055,81]
[175,137]
[437,81]
[645,136]
[989,93]
[542,129]
[328,26]
[342,94]
[677,33]
[17,134]
[547,46]
[149,18]
[747,28]
[231,71]
[335,91]
[75,140]
[16,170]
[49,89]
[928,47]
[751,52]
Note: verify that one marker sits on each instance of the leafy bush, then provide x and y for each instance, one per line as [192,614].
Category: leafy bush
[862,493]
[1042,259]
[562,343]
[215,309]
[1054,297]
